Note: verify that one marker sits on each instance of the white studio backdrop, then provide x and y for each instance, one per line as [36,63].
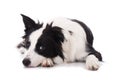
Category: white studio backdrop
[102,16]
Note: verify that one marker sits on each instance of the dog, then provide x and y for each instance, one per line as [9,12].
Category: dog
[61,40]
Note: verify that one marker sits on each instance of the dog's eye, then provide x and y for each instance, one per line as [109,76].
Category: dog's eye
[41,47]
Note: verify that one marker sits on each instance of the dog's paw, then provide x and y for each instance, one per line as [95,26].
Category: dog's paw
[47,63]
[92,63]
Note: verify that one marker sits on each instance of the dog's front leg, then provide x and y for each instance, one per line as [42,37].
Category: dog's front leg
[47,63]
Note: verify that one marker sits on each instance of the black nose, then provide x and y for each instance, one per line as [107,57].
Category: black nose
[26,62]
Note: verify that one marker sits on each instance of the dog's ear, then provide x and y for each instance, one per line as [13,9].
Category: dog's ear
[30,25]
[57,34]
[28,22]
[48,28]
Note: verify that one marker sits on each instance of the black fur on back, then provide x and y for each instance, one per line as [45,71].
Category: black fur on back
[89,44]
[50,40]
[88,32]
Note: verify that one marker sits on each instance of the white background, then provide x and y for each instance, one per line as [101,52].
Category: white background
[102,16]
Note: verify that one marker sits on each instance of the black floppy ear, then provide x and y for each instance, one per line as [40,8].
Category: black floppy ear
[59,38]
[57,34]
[28,22]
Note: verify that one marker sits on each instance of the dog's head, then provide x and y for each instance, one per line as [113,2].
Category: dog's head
[40,42]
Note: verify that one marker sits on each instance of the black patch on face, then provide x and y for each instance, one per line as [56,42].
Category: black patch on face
[30,25]
[88,32]
[49,44]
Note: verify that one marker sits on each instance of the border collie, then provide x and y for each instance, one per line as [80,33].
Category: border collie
[61,40]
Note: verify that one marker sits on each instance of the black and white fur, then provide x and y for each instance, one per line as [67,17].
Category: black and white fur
[60,40]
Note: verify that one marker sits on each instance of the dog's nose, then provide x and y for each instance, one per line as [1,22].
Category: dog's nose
[26,62]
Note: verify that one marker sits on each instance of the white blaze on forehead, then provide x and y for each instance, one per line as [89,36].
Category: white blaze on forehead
[33,40]
[35,36]
[34,57]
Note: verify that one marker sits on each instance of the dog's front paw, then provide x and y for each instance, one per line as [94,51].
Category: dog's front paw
[47,63]
[92,63]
